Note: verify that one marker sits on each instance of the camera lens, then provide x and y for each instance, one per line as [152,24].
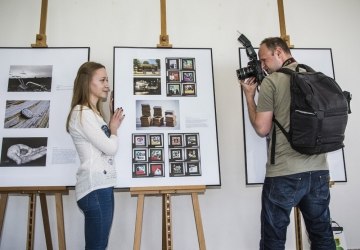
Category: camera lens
[244,73]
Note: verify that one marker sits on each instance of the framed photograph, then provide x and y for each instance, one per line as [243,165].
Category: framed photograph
[172,63]
[176,154]
[156,154]
[140,154]
[192,154]
[188,64]
[147,86]
[188,76]
[173,76]
[35,92]
[177,169]
[191,140]
[173,89]
[139,140]
[140,170]
[189,89]
[146,67]
[175,140]
[193,168]
[157,169]
[24,151]
[156,140]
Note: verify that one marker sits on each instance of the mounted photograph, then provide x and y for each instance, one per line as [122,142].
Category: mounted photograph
[30,78]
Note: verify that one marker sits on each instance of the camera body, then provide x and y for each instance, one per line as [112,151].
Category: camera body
[254,65]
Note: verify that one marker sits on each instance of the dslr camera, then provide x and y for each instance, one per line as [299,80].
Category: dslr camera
[254,65]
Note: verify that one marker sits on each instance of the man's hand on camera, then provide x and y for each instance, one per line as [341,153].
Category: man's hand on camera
[249,86]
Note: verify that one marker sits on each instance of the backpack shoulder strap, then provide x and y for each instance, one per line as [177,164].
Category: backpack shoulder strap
[305,67]
[273,139]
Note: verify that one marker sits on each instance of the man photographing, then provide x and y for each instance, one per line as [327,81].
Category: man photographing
[292,179]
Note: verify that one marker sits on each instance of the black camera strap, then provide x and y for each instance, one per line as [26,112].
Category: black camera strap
[288,61]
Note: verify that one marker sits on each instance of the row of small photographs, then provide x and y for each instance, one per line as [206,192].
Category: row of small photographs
[181,89]
[144,154]
[152,67]
[148,170]
[148,140]
[30,78]
[180,76]
[184,154]
[184,169]
[177,63]
[23,151]
[184,140]
[27,114]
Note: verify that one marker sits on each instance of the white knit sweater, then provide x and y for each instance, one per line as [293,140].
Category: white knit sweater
[95,149]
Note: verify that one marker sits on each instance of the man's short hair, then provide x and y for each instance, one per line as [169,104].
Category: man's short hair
[273,42]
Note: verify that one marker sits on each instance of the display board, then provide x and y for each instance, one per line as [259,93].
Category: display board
[35,95]
[255,146]
[169,135]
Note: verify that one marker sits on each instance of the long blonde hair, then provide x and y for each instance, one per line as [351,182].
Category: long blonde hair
[81,91]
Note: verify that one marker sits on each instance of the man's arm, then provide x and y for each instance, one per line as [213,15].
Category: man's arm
[261,121]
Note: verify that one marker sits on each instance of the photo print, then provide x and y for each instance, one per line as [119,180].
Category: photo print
[173,89]
[189,89]
[191,140]
[193,168]
[139,154]
[156,140]
[146,67]
[175,140]
[188,63]
[30,78]
[157,114]
[173,76]
[24,152]
[140,170]
[176,154]
[156,169]
[147,86]
[188,76]
[27,114]
[177,169]
[139,140]
[192,154]
[172,63]
[156,154]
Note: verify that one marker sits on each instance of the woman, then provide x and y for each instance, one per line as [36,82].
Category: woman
[96,144]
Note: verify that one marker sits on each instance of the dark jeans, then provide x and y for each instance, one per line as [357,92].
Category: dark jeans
[308,191]
[98,208]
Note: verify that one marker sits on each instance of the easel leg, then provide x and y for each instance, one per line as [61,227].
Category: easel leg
[31,222]
[198,221]
[45,217]
[60,221]
[166,223]
[298,234]
[139,219]
[3,203]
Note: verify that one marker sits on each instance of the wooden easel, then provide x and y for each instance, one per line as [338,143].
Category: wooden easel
[41,37]
[286,38]
[166,193]
[32,192]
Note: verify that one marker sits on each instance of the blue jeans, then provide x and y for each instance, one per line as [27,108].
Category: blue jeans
[98,208]
[308,191]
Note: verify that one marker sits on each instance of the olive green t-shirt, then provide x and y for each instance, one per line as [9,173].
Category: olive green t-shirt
[274,95]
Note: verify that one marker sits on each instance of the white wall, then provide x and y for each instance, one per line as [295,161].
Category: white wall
[231,213]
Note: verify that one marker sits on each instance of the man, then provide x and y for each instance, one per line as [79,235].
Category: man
[293,179]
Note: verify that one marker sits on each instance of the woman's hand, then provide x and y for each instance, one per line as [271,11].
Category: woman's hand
[116,120]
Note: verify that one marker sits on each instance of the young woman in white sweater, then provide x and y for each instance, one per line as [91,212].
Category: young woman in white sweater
[96,143]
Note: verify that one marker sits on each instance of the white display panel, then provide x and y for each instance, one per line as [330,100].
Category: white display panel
[35,95]
[169,136]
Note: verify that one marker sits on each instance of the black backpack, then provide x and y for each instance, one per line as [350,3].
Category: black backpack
[318,112]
